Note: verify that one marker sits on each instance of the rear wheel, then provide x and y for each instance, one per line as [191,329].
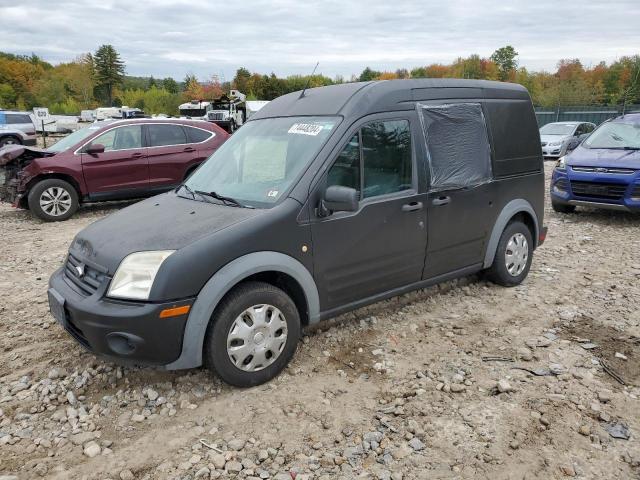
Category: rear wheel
[562,207]
[9,140]
[253,335]
[53,200]
[513,256]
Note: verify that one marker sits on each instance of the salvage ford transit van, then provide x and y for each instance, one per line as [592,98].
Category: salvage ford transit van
[325,201]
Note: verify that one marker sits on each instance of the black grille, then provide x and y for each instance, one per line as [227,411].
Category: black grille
[635,193]
[87,278]
[610,191]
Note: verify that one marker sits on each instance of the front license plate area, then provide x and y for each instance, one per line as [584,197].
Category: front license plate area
[56,307]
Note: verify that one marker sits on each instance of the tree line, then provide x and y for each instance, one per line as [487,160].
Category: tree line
[98,79]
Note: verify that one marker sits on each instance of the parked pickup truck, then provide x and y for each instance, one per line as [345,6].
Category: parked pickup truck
[109,160]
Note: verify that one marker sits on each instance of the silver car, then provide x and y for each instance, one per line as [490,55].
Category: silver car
[16,128]
[554,137]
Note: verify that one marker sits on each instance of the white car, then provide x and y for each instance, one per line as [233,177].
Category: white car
[554,137]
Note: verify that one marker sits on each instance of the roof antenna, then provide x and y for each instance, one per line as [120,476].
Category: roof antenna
[308,81]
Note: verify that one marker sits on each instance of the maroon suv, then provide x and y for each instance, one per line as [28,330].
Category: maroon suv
[106,161]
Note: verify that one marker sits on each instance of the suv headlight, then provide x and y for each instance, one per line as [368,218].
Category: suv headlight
[562,164]
[136,273]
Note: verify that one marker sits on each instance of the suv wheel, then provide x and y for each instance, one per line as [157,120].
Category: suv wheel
[253,334]
[513,256]
[9,140]
[562,207]
[53,200]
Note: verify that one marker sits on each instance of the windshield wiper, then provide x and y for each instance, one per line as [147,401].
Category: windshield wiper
[631,148]
[224,199]
[186,187]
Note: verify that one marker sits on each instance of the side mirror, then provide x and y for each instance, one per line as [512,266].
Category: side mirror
[339,199]
[94,149]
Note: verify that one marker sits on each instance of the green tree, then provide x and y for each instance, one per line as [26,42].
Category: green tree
[109,70]
[170,85]
[368,75]
[505,58]
[241,79]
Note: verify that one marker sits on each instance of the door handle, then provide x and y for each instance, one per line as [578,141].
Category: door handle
[412,207]
[136,155]
[441,200]
[189,149]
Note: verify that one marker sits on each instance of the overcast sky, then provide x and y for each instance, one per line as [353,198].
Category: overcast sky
[205,37]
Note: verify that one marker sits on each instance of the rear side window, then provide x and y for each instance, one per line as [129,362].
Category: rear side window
[515,136]
[376,161]
[197,135]
[457,145]
[163,135]
[16,119]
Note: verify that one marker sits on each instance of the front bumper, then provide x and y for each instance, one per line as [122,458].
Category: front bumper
[625,195]
[125,331]
[552,151]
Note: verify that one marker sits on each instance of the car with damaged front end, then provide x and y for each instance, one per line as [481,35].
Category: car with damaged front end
[111,160]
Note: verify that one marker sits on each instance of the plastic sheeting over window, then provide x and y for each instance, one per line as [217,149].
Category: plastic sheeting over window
[457,144]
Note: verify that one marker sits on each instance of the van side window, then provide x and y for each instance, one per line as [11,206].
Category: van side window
[457,145]
[383,165]
[345,172]
[386,151]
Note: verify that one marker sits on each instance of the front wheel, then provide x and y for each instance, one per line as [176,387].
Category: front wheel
[53,200]
[253,335]
[513,256]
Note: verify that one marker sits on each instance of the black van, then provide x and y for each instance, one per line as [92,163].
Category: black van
[327,200]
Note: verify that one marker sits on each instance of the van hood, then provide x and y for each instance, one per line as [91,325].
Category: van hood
[604,157]
[164,222]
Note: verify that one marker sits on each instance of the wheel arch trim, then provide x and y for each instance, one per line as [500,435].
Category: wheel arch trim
[222,282]
[511,209]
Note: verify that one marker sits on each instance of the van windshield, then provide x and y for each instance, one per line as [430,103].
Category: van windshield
[617,135]
[260,162]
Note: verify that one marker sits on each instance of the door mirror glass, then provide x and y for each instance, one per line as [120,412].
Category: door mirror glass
[95,148]
[340,199]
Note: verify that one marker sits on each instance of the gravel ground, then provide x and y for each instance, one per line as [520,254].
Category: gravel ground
[463,380]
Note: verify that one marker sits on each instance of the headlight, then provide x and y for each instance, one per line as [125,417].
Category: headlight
[555,144]
[135,275]
[561,165]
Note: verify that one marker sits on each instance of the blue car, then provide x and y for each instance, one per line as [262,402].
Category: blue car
[603,171]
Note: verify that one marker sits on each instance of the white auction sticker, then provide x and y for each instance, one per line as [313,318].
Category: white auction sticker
[306,129]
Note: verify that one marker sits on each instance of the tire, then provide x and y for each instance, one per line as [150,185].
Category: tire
[240,316]
[562,207]
[9,140]
[43,196]
[511,272]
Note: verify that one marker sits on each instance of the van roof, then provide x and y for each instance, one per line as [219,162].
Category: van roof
[362,98]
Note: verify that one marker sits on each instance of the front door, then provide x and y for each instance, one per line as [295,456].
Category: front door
[122,169]
[381,246]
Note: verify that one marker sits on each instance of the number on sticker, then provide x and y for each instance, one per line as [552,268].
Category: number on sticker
[306,129]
